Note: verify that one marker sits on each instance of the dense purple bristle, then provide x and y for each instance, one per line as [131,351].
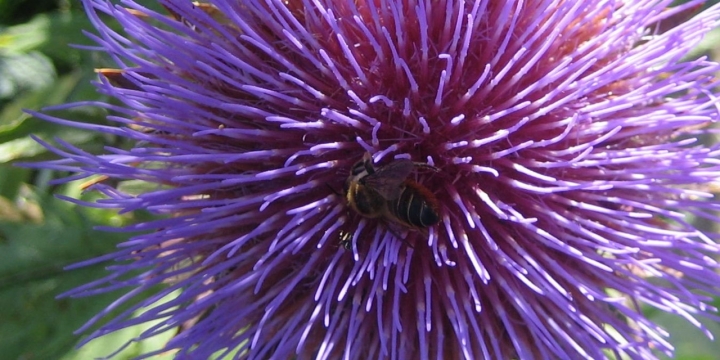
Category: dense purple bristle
[566,138]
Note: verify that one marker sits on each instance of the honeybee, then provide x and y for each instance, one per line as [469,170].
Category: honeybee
[387,192]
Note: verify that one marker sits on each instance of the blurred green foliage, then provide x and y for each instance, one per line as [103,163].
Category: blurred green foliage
[40,235]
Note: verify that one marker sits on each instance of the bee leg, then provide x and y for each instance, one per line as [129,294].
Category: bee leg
[424,233]
[407,243]
[333,190]
[397,236]
[426,166]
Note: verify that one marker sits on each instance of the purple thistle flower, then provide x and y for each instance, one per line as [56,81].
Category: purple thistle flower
[565,135]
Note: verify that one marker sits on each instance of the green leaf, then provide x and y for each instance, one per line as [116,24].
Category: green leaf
[32,275]
[689,341]
[16,126]
[50,33]
[11,180]
[63,30]
[22,38]
[109,343]
[12,116]
[22,72]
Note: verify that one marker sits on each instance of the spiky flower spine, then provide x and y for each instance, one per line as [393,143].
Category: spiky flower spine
[565,133]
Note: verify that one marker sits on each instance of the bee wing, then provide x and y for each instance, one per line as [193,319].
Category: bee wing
[386,180]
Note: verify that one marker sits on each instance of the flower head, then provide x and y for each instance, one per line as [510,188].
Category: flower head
[564,135]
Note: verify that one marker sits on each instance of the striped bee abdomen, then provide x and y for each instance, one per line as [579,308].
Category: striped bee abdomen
[416,206]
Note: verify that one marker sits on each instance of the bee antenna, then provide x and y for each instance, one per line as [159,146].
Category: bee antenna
[400,238]
[407,243]
[332,189]
[426,166]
